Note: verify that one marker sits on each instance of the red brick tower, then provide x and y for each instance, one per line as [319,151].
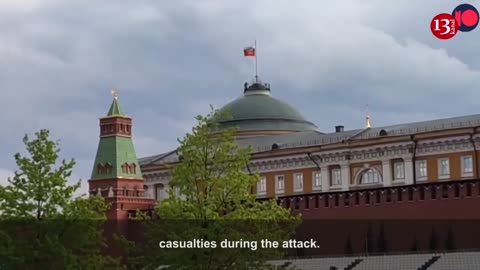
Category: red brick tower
[116,174]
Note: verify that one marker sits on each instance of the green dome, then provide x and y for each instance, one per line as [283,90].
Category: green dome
[258,110]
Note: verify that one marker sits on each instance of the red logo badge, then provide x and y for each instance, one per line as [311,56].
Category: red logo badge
[444,26]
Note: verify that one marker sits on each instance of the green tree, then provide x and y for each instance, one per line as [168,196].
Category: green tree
[214,201]
[44,226]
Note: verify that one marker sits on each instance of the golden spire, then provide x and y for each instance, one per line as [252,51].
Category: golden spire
[114,94]
[367,119]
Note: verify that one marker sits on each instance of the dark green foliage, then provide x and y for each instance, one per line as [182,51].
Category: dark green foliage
[43,226]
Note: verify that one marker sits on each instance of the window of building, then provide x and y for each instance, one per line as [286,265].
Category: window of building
[398,170]
[467,166]
[262,186]
[444,168]
[370,176]
[336,179]
[421,170]
[133,168]
[298,182]
[317,180]
[176,190]
[159,192]
[100,168]
[280,183]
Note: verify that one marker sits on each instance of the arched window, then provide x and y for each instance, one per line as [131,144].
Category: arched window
[370,176]
[126,168]
[100,168]
[134,168]
[108,167]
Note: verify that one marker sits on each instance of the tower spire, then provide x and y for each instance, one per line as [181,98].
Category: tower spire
[115,107]
[367,119]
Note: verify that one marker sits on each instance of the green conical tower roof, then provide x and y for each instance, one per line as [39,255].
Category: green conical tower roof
[116,157]
[115,109]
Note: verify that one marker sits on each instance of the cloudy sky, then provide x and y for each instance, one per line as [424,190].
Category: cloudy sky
[171,59]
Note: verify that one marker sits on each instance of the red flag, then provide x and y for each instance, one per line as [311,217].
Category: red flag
[249,51]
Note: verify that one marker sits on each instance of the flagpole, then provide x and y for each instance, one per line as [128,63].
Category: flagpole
[256,64]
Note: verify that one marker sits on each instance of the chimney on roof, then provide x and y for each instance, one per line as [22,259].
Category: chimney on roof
[339,129]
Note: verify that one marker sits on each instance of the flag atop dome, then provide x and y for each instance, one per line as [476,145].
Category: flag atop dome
[252,51]
[249,51]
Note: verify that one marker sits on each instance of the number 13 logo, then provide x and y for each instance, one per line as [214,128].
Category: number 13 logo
[444,26]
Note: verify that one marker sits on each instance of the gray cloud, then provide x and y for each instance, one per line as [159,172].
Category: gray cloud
[171,59]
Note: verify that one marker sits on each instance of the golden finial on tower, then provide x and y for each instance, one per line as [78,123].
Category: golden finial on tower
[114,93]
[367,119]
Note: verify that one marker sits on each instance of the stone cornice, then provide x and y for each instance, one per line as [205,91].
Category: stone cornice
[348,154]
